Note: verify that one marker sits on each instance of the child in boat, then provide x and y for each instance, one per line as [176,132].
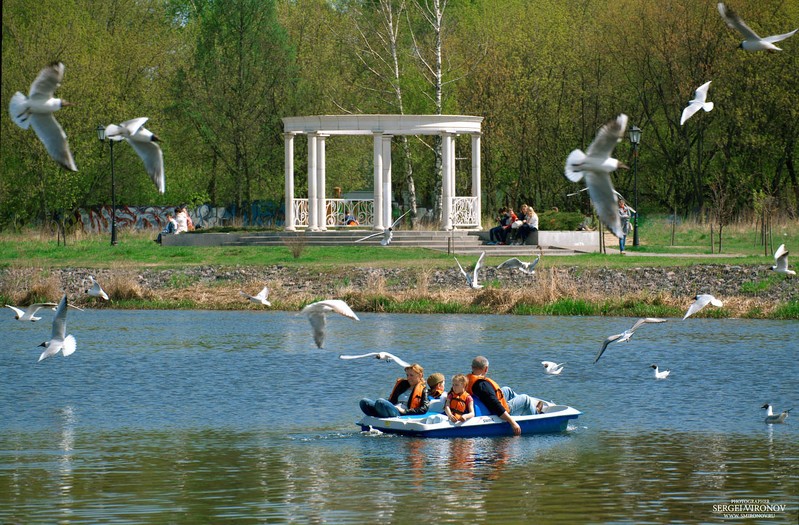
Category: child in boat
[459,405]
[436,383]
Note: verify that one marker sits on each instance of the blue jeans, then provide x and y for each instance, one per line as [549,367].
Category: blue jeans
[380,408]
[622,240]
[519,404]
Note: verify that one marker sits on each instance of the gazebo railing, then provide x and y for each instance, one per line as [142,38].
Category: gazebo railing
[337,209]
[465,212]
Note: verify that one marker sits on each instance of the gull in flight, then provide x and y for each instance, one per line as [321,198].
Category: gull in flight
[383,356]
[59,341]
[37,110]
[317,316]
[595,165]
[698,102]
[472,279]
[752,42]
[260,298]
[96,290]
[527,268]
[660,375]
[144,142]
[553,368]
[388,233]
[626,335]
[772,418]
[700,302]
[28,313]
[781,261]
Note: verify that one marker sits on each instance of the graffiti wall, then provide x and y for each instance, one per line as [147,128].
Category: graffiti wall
[98,219]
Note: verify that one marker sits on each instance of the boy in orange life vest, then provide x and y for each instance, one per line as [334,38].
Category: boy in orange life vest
[436,383]
[408,397]
[460,405]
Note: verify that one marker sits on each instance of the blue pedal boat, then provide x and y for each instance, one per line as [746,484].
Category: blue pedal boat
[553,419]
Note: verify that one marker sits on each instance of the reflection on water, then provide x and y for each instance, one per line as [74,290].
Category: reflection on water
[236,416]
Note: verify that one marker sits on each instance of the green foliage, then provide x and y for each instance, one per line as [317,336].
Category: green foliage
[554,220]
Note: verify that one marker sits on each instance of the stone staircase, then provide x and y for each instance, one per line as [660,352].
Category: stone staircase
[460,242]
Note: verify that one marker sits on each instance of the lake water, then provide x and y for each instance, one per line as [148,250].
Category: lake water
[236,417]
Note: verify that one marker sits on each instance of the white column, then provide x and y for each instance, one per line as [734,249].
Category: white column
[476,188]
[321,190]
[387,196]
[288,166]
[312,182]
[446,185]
[378,196]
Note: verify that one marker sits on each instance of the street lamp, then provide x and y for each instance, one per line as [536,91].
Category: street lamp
[101,136]
[635,139]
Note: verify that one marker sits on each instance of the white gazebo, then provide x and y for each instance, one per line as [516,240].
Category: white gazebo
[317,212]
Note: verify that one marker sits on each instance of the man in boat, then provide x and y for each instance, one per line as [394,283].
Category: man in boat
[503,402]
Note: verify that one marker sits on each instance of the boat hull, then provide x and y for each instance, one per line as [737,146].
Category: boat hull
[554,420]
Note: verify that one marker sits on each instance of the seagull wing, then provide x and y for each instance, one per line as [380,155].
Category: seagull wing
[700,95]
[463,272]
[700,302]
[47,81]
[477,268]
[394,224]
[511,264]
[263,294]
[328,305]
[59,331]
[54,139]
[370,354]
[603,196]
[610,134]
[777,38]
[689,111]
[369,236]
[19,313]
[133,125]
[646,320]
[153,157]
[781,259]
[533,264]
[734,21]
[605,345]
[318,321]
[391,357]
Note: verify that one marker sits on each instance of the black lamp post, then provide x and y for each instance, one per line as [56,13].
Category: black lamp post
[635,138]
[101,136]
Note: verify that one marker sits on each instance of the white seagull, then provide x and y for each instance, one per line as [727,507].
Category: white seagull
[59,341]
[260,298]
[781,261]
[37,110]
[28,313]
[387,234]
[473,279]
[96,290]
[144,142]
[524,267]
[660,375]
[553,368]
[595,165]
[697,103]
[772,418]
[700,302]
[383,356]
[317,315]
[752,42]
[626,335]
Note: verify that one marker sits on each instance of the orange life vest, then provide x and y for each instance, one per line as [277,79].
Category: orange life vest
[500,396]
[458,403]
[415,399]
[437,391]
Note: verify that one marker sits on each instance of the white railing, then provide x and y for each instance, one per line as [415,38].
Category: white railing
[465,212]
[337,209]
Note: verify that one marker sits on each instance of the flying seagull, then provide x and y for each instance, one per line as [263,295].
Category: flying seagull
[595,165]
[660,375]
[37,110]
[472,279]
[626,335]
[28,313]
[144,142]
[697,103]
[96,290]
[524,267]
[59,341]
[317,316]
[387,234]
[772,418]
[383,356]
[700,302]
[553,368]
[752,42]
[260,298]
[781,261]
